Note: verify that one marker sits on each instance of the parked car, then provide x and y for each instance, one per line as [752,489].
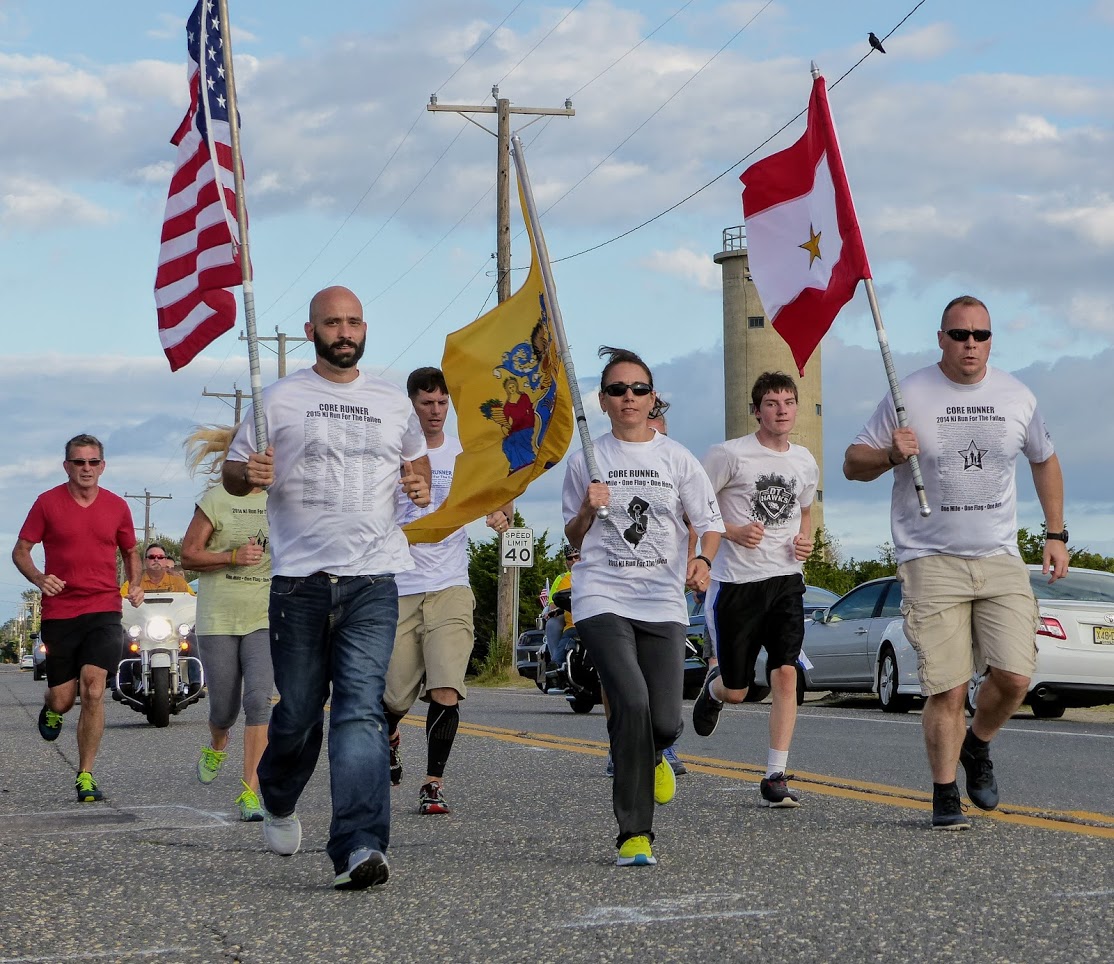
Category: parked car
[38,651]
[849,646]
[526,652]
[27,661]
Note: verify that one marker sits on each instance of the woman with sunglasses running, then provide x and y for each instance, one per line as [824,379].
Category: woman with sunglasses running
[628,598]
[227,543]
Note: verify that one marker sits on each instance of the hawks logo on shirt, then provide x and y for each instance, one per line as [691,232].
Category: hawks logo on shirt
[774,498]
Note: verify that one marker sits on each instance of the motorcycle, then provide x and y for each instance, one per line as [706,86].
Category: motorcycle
[160,675]
[576,677]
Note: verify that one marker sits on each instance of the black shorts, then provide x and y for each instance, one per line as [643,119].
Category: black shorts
[91,639]
[745,616]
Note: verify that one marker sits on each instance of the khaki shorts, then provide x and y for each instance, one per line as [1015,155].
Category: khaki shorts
[963,615]
[433,643]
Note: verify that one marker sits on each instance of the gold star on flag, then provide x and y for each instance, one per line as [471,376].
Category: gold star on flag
[812,245]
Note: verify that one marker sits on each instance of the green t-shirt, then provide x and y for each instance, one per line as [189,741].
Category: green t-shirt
[233,601]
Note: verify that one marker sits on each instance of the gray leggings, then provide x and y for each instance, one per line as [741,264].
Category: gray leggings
[235,665]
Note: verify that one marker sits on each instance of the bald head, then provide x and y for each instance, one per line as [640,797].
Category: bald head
[336,325]
[336,301]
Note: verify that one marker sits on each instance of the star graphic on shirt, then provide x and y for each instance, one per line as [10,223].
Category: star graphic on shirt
[972,456]
[812,245]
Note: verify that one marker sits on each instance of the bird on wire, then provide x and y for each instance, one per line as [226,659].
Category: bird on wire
[876,43]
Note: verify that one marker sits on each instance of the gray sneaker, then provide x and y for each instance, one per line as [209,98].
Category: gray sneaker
[283,834]
[366,868]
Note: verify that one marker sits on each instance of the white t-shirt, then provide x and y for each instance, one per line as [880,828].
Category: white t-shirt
[970,437]
[437,565]
[338,451]
[633,562]
[757,484]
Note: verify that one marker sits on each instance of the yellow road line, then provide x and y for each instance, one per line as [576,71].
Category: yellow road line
[1070,821]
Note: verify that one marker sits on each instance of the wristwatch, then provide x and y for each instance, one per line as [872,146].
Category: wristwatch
[1062,536]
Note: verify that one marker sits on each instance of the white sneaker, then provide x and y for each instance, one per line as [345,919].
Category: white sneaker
[283,834]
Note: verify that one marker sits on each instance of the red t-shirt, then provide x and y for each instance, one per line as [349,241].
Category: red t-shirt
[80,544]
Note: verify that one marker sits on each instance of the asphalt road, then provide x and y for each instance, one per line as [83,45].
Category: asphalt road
[523,868]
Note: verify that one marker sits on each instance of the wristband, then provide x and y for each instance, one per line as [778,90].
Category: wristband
[705,560]
[890,458]
[233,557]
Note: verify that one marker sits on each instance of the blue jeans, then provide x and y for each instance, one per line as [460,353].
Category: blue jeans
[336,630]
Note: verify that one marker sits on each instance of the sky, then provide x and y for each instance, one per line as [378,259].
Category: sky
[978,149]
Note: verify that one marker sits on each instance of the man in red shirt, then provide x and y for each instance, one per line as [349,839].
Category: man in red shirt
[80,526]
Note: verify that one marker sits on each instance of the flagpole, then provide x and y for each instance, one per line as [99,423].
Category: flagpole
[242,224]
[891,373]
[555,314]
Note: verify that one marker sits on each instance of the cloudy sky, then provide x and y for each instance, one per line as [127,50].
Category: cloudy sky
[978,149]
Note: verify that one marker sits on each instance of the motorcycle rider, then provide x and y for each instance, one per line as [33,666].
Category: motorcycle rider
[558,640]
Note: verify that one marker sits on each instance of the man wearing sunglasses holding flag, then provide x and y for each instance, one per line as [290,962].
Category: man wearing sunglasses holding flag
[967,602]
[80,526]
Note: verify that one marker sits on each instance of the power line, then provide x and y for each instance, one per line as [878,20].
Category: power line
[724,173]
[545,37]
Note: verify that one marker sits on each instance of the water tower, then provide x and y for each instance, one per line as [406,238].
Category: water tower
[751,347]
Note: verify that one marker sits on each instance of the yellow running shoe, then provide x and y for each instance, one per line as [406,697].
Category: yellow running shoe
[665,783]
[251,810]
[636,852]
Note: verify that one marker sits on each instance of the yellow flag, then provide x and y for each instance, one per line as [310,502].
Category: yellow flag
[511,398]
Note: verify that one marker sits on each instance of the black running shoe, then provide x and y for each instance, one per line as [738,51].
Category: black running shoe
[50,724]
[982,788]
[705,711]
[774,792]
[396,759]
[947,809]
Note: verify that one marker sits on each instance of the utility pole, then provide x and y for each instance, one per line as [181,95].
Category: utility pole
[508,577]
[282,338]
[147,500]
[236,393]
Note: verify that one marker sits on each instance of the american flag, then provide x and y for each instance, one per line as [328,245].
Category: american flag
[199,257]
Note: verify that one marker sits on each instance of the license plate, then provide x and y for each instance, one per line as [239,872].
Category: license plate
[1104,635]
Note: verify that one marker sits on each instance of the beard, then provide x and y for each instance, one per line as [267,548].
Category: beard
[330,354]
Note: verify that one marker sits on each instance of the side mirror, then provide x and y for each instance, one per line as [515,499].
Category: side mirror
[819,615]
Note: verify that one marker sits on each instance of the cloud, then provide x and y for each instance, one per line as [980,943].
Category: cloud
[694,267]
[33,205]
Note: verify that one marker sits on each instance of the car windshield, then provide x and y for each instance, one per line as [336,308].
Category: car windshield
[1085,585]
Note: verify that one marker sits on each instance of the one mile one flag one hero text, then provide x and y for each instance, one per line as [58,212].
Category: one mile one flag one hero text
[199,259]
[512,403]
[806,253]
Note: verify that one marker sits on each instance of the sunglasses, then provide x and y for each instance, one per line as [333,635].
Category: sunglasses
[156,557]
[84,462]
[619,389]
[961,334]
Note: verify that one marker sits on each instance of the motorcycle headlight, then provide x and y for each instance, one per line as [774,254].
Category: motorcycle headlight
[158,629]
[134,632]
[184,629]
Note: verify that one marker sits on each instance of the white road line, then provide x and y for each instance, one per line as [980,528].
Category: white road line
[632,915]
[1084,893]
[101,955]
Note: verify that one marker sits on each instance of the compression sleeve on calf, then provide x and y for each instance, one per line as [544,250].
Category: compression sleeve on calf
[441,724]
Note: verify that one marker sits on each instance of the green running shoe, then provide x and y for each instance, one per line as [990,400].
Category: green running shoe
[209,764]
[665,783]
[251,810]
[87,789]
[636,852]
[50,724]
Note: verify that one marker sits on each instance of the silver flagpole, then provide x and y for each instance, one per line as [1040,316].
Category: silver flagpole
[242,223]
[555,314]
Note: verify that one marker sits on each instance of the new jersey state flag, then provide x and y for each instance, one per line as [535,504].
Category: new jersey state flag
[513,409]
[806,253]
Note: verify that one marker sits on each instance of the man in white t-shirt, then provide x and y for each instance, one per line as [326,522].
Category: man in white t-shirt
[434,638]
[765,486]
[340,444]
[967,600]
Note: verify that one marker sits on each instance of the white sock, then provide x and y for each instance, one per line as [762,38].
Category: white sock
[776,762]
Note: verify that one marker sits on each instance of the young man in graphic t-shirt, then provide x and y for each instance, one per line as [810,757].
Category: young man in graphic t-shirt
[966,595]
[434,638]
[80,526]
[765,486]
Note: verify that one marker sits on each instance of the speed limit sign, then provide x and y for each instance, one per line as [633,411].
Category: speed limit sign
[516,548]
